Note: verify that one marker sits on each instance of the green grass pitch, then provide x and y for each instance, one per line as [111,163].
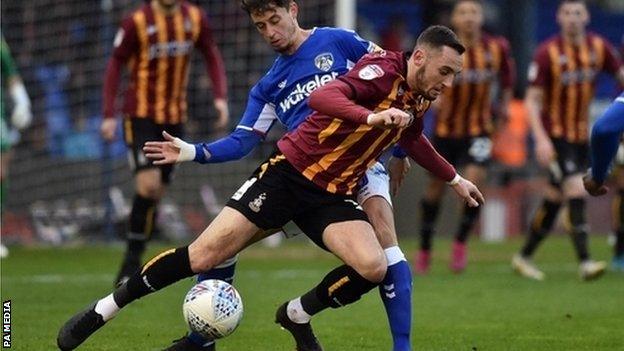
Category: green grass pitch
[487,308]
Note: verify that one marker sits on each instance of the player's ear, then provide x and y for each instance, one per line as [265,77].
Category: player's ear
[293,9]
[419,56]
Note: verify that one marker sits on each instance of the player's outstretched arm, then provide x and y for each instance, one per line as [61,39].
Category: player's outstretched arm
[172,150]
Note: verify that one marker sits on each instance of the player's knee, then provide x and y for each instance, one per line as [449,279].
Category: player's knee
[373,269]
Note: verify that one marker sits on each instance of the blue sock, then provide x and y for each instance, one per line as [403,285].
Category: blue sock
[396,294]
[225,272]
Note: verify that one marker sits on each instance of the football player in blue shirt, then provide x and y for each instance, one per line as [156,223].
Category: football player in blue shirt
[308,59]
[605,139]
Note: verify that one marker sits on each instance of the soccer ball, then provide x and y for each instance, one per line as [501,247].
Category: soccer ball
[213,309]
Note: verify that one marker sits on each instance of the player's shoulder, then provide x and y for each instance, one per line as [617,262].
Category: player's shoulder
[380,63]
[544,47]
[336,33]
[499,40]
[189,7]
[133,16]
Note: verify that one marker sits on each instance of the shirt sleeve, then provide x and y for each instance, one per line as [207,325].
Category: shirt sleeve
[355,46]
[214,62]
[507,65]
[612,62]
[372,78]
[418,147]
[539,70]
[605,139]
[125,45]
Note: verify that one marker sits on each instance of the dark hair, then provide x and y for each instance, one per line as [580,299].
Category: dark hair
[479,2]
[253,6]
[438,36]
[563,2]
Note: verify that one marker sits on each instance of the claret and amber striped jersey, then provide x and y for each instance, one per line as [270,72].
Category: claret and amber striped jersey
[333,150]
[157,49]
[567,74]
[466,108]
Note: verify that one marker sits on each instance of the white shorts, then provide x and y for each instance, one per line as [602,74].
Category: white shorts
[376,182]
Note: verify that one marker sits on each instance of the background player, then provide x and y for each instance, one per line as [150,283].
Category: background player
[296,185]
[463,128]
[562,78]
[20,118]
[325,53]
[156,42]
[605,138]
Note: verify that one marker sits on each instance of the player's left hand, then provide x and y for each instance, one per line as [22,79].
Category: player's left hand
[223,114]
[397,170]
[468,192]
[172,150]
[593,187]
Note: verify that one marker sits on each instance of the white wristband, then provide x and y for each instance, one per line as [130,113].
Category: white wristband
[455,180]
[187,151]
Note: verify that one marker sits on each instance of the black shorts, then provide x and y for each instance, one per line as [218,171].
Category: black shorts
[462,151]
[571,159]
[277,193]
[139,130]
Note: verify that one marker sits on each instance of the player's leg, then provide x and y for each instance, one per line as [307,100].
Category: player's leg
[225,236]
[430,207]
[577,227]
[150,182]
[476,156]
[262,202]
[396,288]
[618,215]
[341,226]
[476,173]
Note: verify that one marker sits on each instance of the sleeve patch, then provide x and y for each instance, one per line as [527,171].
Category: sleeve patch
[371,72]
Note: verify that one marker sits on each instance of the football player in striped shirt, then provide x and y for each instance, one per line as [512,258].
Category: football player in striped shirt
[464,124]
[155,44]
[562,77]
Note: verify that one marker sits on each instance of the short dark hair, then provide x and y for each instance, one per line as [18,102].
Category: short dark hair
[438,36]
[253,6]
[563,2]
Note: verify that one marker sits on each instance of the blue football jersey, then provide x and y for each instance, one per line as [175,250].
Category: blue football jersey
[282,93]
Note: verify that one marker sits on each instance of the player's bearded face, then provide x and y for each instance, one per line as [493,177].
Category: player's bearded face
[434,71]
[278,27]
[467,17]
[573,18]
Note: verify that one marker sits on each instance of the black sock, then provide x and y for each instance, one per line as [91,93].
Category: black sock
[578,230]
[165,269]
[142,218]
[340,287]
[542,224]
[429,214]
[469,217]
[618,223]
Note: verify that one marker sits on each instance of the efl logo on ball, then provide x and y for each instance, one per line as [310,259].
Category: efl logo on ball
[213,309]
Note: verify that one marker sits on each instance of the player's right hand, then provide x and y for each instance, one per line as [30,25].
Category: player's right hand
[172,150]
[468,192]
[544,151]
[107,128]
[593,187]
[390,118]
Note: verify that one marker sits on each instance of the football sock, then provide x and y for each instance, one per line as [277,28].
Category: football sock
[429,214]
[396,294]
[618,216]
[542,224]
[295,312]
[107,308]
[469,217]
[340,287]
[578,230]
[142,218]
[224,271]
[165,269]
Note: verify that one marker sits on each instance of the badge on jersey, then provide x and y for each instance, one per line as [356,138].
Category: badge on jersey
[371,72]
[324,61]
